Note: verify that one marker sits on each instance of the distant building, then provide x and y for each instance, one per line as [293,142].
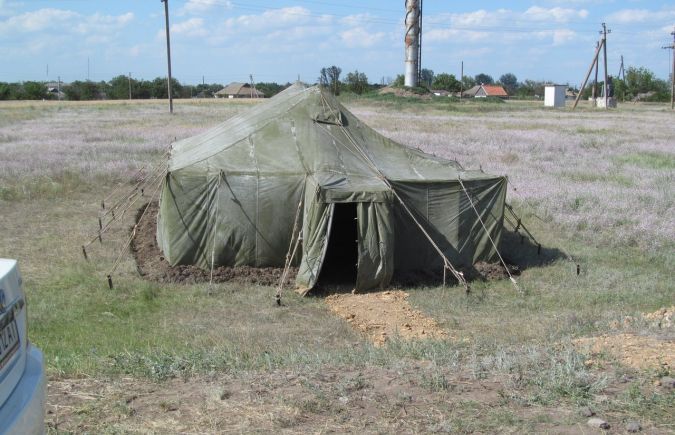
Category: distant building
[484,91]
[554,95]
[440,92]
[239,90]
[56,89]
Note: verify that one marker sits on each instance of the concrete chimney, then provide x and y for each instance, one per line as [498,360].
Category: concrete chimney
[412,32]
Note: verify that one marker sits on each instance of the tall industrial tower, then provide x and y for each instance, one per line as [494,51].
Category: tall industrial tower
[413,41]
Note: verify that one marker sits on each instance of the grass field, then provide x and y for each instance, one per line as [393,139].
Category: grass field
[595,185]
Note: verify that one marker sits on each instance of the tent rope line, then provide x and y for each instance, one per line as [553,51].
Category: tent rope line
[215,219]
[494,245]
[110,223]
[292,249]
[118,260]
[447,264]
[134,190]
[562,249]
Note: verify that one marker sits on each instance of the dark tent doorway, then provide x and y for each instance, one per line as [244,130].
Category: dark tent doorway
[340,263]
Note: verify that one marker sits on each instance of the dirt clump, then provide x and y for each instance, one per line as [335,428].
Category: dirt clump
[152,265]
[631,350]
[662,318]
[383,315]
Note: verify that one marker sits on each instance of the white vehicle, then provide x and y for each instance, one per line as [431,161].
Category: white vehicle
[22,373]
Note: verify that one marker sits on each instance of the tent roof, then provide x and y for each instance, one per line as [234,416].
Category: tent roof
[306,131]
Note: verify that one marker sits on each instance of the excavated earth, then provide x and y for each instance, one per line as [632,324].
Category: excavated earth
[383,315]
[637,351]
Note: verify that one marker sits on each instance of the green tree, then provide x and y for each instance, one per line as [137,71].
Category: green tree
[483,79]
[270,89]
[79,90]
[510,83]
[446,81]
[119,87]
[468,83]
[357,82]
[330,78]
[399,81]
[5,91]
[426,77]
[35,91]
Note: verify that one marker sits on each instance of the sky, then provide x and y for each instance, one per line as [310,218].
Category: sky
[220,41]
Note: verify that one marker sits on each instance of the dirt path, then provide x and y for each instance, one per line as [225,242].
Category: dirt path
[383,315]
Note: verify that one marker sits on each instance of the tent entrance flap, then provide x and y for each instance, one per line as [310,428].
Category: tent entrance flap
[340,262]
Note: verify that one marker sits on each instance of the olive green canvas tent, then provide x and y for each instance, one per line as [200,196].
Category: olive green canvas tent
[363,205]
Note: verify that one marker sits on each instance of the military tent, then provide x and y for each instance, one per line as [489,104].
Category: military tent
[364,206]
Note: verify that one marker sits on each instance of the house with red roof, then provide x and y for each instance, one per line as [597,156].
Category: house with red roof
[484,91]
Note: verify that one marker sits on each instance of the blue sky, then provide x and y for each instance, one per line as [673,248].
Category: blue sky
[277,40]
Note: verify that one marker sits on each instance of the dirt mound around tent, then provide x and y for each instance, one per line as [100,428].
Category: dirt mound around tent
[383,315]
[631,350]
[153,266]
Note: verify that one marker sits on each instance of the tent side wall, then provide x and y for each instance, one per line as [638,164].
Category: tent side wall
[445,212]
[243,219]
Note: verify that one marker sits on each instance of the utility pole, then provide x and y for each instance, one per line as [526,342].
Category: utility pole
[87,68]
[130,85]
[254,93]
[588,74]
[419,46]
[461,81]
[622,71]
[168,52]
[672,72]
[595,82]
[604,51]
[602,44]
[58,88]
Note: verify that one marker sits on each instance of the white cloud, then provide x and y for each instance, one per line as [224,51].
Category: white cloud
[194,27]
[360,37]
[63,22]
[270,19]
[628,16]
[448,35]
[557,14]
[203,6]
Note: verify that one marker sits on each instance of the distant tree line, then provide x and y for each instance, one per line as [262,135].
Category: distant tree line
[119,88]
[639,82]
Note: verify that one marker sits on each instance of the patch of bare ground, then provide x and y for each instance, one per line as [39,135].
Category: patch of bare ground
[153,266]
[631,350]
[372,399]
[383,315]
[636,351]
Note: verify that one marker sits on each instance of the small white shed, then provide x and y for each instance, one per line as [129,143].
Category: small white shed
[554,95]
